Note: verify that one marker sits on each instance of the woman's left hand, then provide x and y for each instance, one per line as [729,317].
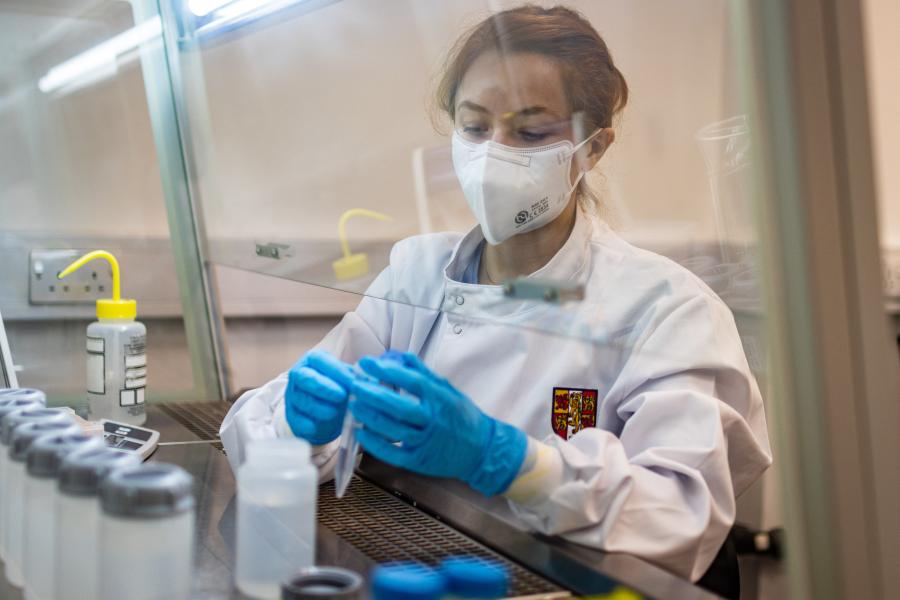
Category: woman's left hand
[440,431]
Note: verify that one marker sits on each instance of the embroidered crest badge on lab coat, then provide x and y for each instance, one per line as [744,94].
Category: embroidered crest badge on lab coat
[573,410]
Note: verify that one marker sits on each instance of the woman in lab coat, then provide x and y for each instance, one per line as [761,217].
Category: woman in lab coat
[629,424]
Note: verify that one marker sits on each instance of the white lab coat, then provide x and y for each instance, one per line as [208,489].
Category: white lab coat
[680,428]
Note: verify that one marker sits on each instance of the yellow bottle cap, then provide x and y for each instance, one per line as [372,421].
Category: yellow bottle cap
[351,266]
[115,307]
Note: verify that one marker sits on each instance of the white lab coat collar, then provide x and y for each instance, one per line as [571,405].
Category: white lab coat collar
[571,262]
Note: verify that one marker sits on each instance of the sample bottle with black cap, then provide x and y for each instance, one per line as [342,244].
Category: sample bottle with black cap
[78,518]
[24,428]
[12,400]
[146,533]
[42,462]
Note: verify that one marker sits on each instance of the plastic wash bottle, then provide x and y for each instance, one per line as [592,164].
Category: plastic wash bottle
[116,353]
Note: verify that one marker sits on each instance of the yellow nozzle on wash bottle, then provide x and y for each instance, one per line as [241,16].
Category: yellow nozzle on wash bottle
[115,307]
[352,265]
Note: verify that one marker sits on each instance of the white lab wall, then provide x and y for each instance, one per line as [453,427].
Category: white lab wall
[882,23]
[85,163]
[299,121]
[321,112]
[81,164]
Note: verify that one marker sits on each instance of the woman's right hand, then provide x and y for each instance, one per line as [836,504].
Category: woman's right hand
[315,399]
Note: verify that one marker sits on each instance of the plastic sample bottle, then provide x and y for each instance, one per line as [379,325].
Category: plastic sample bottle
[276,521]
[78,518]
[146,533]
[407,581]
[472,577]
[10,403]
[36,423]
[42,466]
[116,353]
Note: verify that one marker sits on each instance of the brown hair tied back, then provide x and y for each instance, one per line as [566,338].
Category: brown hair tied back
[594,86]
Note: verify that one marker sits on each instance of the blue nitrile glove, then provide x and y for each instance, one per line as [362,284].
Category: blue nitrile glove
[442,432]
[315,399]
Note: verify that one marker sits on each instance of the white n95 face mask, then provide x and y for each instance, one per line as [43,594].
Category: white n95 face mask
[514,190]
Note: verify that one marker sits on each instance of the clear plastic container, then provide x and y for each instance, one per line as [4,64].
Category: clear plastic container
[20,429]
[42,463]
[78,518]
[276,520]
[10,402]
[348,448]
[146,533]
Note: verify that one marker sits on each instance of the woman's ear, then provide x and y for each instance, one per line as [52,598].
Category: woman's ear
[591,153]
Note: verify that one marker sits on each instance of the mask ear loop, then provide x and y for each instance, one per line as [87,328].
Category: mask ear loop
[575,150]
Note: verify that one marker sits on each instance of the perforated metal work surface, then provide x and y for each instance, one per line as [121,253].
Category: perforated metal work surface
[379,525]
[385,528]
[203,419]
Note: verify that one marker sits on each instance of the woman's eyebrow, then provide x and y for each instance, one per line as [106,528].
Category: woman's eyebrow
[528,111]
[472,106]
[532,110]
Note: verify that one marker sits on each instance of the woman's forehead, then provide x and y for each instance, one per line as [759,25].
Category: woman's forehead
[511,83]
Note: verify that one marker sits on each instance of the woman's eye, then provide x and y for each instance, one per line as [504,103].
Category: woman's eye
[474,129]
[532,136]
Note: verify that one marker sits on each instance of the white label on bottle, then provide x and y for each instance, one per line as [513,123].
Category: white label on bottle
[95,375]
[126,397]
[135,360]
[140,395]
[95,345]
[136,383]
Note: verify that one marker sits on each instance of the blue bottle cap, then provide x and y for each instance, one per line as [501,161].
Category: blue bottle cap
[473,577]
[406,581]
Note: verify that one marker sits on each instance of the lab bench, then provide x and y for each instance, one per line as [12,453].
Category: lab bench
[388,515]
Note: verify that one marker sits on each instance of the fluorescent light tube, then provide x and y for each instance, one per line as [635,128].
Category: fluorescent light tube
[100,61]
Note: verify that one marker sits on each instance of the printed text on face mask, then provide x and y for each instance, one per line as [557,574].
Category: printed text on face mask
[523,217]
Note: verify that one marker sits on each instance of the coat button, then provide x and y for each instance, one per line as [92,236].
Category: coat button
[460,300]
[457,329]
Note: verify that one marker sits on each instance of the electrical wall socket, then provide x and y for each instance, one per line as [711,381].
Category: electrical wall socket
[84,286]
[890,265]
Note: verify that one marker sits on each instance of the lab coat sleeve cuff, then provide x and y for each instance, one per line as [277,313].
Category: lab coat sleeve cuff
[541,475]
[279,420]
[324,457]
